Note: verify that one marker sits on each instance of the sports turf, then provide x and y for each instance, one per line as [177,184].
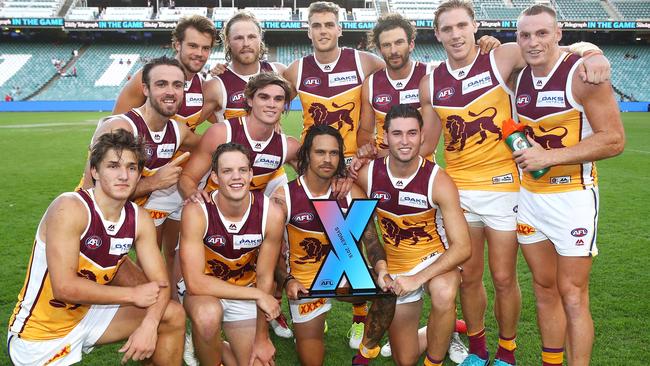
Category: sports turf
[43,155]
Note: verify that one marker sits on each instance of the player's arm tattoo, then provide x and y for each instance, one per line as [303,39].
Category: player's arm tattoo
[380,315]
[374,250]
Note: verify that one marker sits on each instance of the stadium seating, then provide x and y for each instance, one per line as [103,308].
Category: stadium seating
[630,65]
[303,14]
[414,9]
[179,12]
[27,8]
[263,14]
[82,13]
[127,13]
[223,13]
[632,9]
[29,66]
[582,10]
[364,14]
[287,53]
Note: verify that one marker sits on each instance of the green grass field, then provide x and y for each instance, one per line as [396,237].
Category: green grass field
[43,155]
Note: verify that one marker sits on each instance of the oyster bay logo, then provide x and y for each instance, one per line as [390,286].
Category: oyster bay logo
[343,78]
[193,99]
[477,82]
[409,96]
[412,200]
[554,99]
[267,161]
[246,241]
[166,151]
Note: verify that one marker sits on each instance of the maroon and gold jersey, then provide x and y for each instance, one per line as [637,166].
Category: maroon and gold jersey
[308,243]
[472,103]
[410,222]
[385,92]
[102,249]
[233,84]
[330,94]
[159,146]
[231,248]
[267,157]
[190,111]
[552,117]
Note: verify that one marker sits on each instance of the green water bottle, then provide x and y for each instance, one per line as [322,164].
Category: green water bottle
[517,140]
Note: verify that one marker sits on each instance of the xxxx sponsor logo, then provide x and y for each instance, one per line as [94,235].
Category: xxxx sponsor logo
[304,309]
[525,229]
[155,214]
[59,355]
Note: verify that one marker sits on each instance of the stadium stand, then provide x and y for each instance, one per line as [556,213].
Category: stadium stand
[364,14]
[179,12]
[30,66]
[82,13]
[634,10]
[303,14]
[414,9]
[582,10]
[287,53]
[263,14]
[127,13]
[223,13]
[26,8]
[630,65]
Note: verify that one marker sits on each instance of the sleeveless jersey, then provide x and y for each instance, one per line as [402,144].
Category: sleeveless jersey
[190,111]
[308,243]
[546,107]
[472,103]
[102,249]
[159,147]
[267,156]
[234,101]
[331,95]
[231,248]
[410,222]
[385,92]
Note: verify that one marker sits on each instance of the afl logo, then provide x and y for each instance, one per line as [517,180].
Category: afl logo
[381,195]
[383,99]
[237,97]
[216,240]
[311,82]
[523,100]
[446,93]
[303,217]
[93,242]
[579,232]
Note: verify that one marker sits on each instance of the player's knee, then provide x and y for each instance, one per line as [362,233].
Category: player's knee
[545,292]
[574,299]
[443,298]
[504,280]
[174,316]
[472,277]
[206,319]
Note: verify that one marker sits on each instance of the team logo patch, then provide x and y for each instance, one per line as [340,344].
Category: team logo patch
[579,232]
[93,242]
[312,82]
[166,151]
[306,308]
[217,241]
[477,82]
[303,217]
[193,99]
[523,100]
[383,99]
[120,246]
[246,241]
[409,96]
[381,195]
[237,97]
[525,229]
[566,179]
[149,151]
[554,99]
[343,78]
[446,93]
[412,200]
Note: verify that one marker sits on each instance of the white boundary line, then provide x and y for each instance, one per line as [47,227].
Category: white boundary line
[57,124]
[638,151]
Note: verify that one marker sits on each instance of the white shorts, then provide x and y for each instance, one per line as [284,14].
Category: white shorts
[569,220]
[162,203]
[67,350]
[274,183]
[305,310]
[417,294]
[238,310]
[496,210]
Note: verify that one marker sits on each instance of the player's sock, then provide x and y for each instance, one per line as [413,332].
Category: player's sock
[359,312]
[364,355]
[359,360]
[429,361]
[552,356]
[478,344]
[506,349]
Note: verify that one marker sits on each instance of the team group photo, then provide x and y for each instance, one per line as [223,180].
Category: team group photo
[324,183]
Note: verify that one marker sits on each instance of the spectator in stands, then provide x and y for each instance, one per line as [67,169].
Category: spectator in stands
[9,98]
[121,62]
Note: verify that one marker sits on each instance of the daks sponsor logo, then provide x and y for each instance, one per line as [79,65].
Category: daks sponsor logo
[120,246]
[409,96]
[193,99]
[579,232]
[553,99]
[246,241]
[477,82]
[303,217]
[445,93]
[412,200]
[267,161]
[166,151]
[312,82]
[343,78]
[383,99]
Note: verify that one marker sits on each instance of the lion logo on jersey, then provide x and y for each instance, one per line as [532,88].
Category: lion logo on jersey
[315,251]
[394,233]
[460,130]
[223,272]
[549,140]
[322,116]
